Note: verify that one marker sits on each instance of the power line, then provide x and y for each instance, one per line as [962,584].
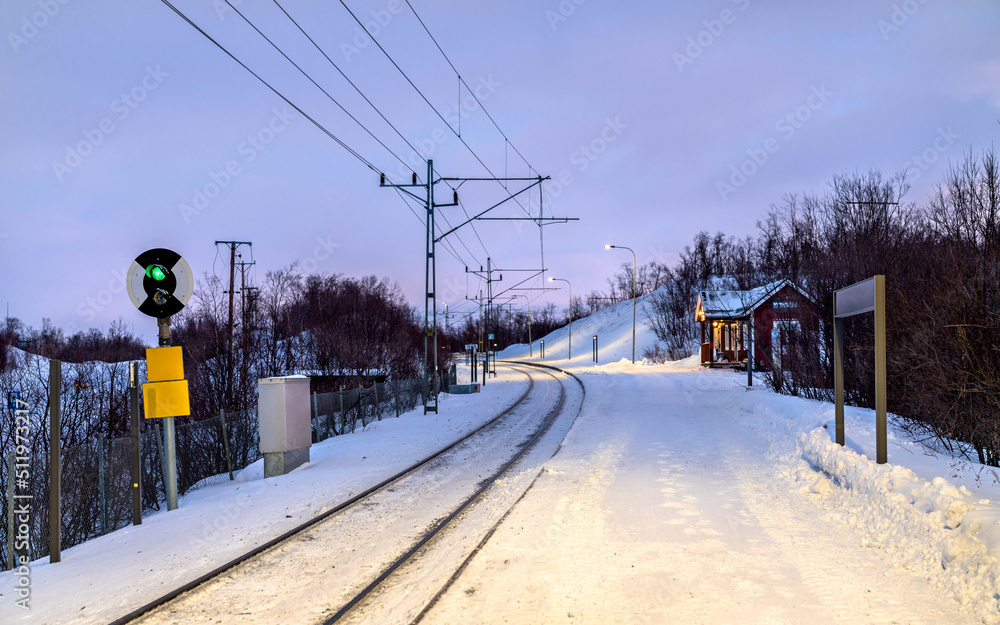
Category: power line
[349,81]
[318,125]
[370,103]
[310,78]
[462,82]
[417,89]
[296,107]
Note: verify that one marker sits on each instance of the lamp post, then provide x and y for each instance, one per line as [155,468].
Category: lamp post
[570,351]
[614,247]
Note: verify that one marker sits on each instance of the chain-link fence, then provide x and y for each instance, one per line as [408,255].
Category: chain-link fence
[341,411]
[96,478]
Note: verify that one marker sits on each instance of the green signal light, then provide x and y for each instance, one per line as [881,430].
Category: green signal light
[156,272]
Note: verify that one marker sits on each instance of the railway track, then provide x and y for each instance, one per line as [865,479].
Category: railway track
[383,537]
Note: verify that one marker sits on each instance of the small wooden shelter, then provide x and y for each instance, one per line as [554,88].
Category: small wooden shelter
[737,323]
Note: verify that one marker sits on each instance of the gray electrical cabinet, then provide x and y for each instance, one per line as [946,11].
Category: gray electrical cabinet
[285,424]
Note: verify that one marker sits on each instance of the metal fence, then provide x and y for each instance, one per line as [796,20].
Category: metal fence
[96,493]
[341,411]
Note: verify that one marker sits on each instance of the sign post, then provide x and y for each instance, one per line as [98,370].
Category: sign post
[136,470]
[160,284]
[862,297]
[471,348]
[490,350]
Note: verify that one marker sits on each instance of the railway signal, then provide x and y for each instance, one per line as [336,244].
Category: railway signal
[160,283]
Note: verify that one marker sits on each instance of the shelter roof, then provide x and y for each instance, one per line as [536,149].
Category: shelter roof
[733,304]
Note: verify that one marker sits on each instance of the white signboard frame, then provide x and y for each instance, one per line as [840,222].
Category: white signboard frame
[859,298]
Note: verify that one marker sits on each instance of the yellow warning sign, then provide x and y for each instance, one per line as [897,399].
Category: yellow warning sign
[166,399]
[164,363]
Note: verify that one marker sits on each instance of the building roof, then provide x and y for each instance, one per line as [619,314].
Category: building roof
[737,304]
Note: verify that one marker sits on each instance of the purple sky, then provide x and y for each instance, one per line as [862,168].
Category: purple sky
[117,115]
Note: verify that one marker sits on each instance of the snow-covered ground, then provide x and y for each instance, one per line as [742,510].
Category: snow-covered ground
[677,496]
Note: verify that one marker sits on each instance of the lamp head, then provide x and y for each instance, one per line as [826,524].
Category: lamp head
[608,247]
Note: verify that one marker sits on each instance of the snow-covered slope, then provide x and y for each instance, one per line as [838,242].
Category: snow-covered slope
[613,328]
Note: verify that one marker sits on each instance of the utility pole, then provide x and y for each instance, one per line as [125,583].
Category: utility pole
[430,268]
[430,377]
[244,361]
[487,275]
[229,340]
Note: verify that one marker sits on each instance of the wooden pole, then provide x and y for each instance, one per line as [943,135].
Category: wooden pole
[10,511]
[55,515]
[133,396]
[838,373]
[881,452]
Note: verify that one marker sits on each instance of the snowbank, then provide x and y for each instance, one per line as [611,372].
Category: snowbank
[936,528]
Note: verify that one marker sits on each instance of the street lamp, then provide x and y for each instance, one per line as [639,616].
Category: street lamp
[614,247]
[570,313]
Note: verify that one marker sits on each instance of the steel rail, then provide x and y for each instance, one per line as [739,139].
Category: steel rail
[489,534]
[274,542]
[434,531]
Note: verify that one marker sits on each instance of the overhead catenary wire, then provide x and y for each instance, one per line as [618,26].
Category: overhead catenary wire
[312,120]
[349,81]
[316,84]
[315,122]
[462,82]
[450,247]
[370,103]
[425,99]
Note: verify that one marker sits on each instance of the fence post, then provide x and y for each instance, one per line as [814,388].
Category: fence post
[133,395]
[225,443]
[343,417]
[10,511]
[395,396]
[55,488]
[361,405]
[101,495]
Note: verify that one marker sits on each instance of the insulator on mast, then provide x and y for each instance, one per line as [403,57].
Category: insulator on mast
[382,179]
[414,177]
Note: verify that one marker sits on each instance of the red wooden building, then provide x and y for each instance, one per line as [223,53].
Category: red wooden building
[777,310]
